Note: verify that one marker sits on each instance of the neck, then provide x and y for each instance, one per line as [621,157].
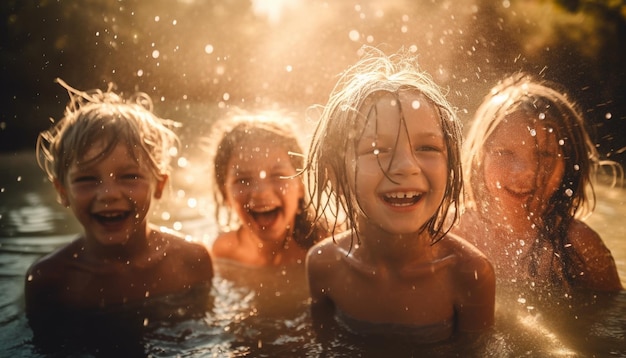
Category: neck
[378,245]
[268,252]
[134,251]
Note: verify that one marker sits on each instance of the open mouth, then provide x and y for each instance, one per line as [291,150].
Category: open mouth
[402,198]
[265,218]
[111,218]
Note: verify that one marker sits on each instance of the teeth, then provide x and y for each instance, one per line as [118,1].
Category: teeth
[402,195]
[263,209]
[110,215]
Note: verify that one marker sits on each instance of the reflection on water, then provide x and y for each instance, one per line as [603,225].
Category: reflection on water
[264,312]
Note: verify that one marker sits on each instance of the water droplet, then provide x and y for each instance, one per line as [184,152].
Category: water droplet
[354,35]
[415,104]
[569,192]
[561,142]
[608,116]
[542,116]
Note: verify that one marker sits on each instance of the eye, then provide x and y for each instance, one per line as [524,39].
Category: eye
[375,151]
[85,179]
[131,176]
[429,148]
[243,181]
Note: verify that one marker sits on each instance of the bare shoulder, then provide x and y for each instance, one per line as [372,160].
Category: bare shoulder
[56,263]
[225,245]
[179,245]
[329,250]
[599,265]
[186,256]
[581,235]
[322,264]
[462,247]
[47,276]
[472,264]
[587,242]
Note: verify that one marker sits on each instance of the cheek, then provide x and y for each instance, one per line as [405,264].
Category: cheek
[292,189]
[494,169]
[494,175]
[555,178]
[235,196]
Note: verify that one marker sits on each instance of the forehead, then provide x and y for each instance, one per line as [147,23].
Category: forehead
[257,153]
[385,111]
[519,128]
[99,151]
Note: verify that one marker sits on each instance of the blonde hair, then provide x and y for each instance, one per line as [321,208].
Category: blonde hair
[96,116]
[542,101]
[538,99]
[341,124]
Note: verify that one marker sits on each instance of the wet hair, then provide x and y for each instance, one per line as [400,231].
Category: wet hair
[342,123]
[97,116]
[228,135]
[546,102]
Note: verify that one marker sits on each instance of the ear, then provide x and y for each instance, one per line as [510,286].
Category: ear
[61,193]
[160,186]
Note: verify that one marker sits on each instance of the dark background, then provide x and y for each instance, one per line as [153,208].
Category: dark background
[197,58]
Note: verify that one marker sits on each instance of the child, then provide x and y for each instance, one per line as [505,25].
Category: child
[108,160]
[528,164]
[386,152]
[257,186]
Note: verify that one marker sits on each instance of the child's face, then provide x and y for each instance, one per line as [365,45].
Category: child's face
[111,197]
[259,192]
[413,155]
[523,164]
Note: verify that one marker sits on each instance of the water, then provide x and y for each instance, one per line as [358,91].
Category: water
[264,312]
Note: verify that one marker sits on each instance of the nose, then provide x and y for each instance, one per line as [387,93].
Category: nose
[404,162]
[108,190]
[261,186]
[524,169]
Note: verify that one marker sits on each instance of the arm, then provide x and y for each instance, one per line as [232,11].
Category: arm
[41,285]
[476,292]
[318,269]
[599,271]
